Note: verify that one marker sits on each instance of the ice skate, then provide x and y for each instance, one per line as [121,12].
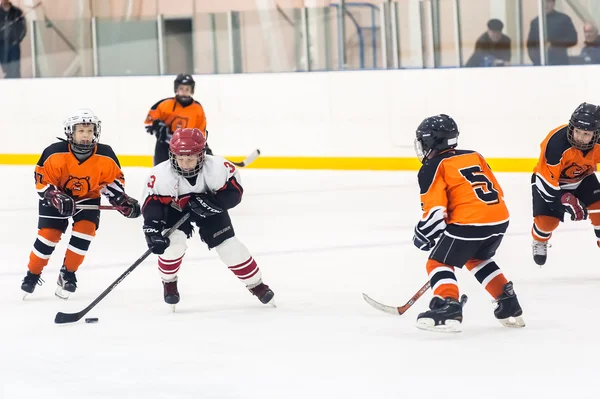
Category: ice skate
[171,293]
[540,251]
[66,283]
[508,311]
[264,294]
[445,315]
[29,283]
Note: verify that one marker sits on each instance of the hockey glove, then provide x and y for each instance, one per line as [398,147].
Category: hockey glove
[204,205]
[129,207]
[160,130]
[422,242]
[64,204]
[155,240]
[576,209]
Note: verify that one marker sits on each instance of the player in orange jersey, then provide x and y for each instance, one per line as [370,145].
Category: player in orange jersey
[463,206]
[173,113]
[564,180]
[71,172]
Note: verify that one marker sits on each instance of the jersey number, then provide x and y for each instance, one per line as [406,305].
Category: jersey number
[483,187]
[151,181]
[229,166]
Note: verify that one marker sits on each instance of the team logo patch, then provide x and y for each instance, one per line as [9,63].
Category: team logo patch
[576,172]
[77,186]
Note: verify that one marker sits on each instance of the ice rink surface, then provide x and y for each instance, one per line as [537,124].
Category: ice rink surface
[321,239]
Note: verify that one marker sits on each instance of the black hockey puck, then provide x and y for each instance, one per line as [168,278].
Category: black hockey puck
[91,320]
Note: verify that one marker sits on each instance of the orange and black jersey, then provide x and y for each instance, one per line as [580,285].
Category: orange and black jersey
[58,168]
[461,197]
[562,166]
[176,116]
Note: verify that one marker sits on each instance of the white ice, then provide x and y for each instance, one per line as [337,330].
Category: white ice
[321,239]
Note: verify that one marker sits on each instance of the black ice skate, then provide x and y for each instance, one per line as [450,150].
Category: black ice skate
[171,293]
[540,251]
[508,311]
[445,315]
[29,283]
[263,293]
[67,283]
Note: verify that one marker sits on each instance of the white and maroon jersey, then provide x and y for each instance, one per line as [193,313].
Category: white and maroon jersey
[217,176]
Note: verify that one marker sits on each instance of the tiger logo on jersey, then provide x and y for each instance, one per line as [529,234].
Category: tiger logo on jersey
[574,172]
[77,186]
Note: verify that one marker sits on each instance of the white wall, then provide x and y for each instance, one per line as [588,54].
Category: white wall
[501,112]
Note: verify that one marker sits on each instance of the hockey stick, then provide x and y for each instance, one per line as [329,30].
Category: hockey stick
[62,318]
[398,310]
[249,159]
[96,207]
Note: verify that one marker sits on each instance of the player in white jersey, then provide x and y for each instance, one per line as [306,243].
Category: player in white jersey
[207,186]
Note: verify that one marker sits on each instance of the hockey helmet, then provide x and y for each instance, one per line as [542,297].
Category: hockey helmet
[435,134]
[82,116]
[585,117]
[188,142]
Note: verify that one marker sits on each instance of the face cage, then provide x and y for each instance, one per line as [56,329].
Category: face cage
[83,147]
[578,145]
[187,173]
[418,146]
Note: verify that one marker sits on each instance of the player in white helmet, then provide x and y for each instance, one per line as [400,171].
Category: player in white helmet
[70,172]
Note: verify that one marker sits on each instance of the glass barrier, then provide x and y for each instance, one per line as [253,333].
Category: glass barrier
[127,47]
[62,48]
[153,37]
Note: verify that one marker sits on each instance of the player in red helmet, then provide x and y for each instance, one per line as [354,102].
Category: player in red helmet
[207,186]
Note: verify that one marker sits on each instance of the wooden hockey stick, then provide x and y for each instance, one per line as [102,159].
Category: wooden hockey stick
[63,318]
[397,310]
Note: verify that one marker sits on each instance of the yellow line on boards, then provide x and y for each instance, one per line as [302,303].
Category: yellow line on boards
[322,163]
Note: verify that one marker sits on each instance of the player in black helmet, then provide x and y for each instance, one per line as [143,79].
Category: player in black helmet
[563,180]
[172,113]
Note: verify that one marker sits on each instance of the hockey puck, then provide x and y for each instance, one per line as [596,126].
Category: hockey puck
[91,320]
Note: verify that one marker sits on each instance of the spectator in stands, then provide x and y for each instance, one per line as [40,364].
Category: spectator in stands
[492,48]
[12,32]
[561,35]
[591,50]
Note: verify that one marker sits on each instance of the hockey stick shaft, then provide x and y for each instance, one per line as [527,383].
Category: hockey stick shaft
[97,207]
[249,159]
[62,318]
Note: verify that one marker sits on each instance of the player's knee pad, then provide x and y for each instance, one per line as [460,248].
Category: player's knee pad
[595,217]
[85,227]
[543,226]
[232,251]
[177,246]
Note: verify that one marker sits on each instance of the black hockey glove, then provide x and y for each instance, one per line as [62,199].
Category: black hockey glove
[204,205]
[159,129]
[154,239]
[422,242]
[64,204]
[574,207]
[129,207]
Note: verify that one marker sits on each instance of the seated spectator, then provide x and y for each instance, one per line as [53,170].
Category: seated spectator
[591,49]
[492,48]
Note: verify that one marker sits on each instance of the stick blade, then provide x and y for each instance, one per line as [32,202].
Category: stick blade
[64,318]
[381,306]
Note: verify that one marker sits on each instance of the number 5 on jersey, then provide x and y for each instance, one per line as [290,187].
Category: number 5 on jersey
[482,186]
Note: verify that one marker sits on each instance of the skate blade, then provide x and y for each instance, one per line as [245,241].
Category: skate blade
[513,322]
[25,295]
[173,308]
[62,294]
[451,326]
